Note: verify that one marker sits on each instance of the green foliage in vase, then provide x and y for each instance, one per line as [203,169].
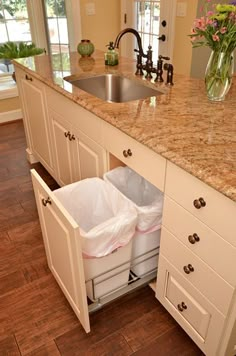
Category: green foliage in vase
[216,28]
[11,50]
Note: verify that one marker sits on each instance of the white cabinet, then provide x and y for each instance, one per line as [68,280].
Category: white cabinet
[76,141]
[135,155]
[196,278]
[62,148]
[63,248]
[77,156]
[197,258]
[37,126]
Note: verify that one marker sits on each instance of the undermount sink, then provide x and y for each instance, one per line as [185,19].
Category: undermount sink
[114,88]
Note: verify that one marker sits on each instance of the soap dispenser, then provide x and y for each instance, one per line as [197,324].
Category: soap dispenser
[111,56]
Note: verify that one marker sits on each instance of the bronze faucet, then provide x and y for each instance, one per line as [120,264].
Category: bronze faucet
[148,66]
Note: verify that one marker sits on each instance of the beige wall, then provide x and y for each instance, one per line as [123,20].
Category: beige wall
[182,56]
[104,25]
[9,104]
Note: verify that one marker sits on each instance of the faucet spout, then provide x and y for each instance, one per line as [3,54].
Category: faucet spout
[136,34]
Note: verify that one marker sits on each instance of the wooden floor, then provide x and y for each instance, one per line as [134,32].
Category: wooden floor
[35,318]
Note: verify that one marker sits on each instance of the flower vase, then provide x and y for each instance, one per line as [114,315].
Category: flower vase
[85,48]
[218,76]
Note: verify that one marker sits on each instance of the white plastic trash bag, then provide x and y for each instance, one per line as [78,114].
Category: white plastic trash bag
[106,219]
[147,199]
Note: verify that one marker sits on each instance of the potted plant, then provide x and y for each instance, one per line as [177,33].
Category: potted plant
[11,50]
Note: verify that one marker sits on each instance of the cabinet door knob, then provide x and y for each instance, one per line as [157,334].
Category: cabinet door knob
[127,153]
[28,78]
[199,203]
[71,137]
[67,133]
[46,201]
[181,307]
[188,269]
[193,238]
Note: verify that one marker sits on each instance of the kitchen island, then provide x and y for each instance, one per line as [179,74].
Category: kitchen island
[182,143]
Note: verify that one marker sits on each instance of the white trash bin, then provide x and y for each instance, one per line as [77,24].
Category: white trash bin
[107,225]
[148,202]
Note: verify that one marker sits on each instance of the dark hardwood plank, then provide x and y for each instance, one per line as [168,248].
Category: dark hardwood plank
[11,281]
[8,347]
[174,341]
[147,328]
[50,349]
[109,320]
[10,260]
[114,345]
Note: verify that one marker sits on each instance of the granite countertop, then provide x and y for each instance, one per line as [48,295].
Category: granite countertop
[181,125]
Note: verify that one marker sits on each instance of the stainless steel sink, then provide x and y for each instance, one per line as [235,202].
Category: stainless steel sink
[114,88]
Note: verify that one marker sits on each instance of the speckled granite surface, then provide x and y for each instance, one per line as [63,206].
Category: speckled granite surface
[182,125]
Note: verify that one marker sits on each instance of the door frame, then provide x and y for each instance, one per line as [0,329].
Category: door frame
[127,19]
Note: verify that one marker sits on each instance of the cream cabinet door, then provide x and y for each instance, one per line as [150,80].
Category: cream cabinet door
[36,119]
[63,248]
[90,157]
[63,148]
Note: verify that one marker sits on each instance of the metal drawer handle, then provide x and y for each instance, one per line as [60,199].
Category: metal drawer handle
[28,78]
[46,201]
[181,307]
[199,203]
[193,238]
[188,269]
[127,153]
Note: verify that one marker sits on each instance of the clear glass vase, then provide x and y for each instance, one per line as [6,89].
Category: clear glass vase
[218,76]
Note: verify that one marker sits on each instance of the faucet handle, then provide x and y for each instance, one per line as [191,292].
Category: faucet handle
[170,69]
[165,58]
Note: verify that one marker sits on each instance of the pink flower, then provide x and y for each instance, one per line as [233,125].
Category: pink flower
[215,38]
[209,22]
[223,30]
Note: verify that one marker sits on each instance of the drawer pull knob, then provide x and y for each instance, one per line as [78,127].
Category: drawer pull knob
[71,137]
[46,201]
[199,203]
[28,78]
[127,153]
[67,133]
[193,238]
[188,269]
[182,306]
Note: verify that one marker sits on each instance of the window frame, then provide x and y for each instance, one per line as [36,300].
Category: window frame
[39,34]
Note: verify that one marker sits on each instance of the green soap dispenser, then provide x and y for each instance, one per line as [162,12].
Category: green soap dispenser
[111,56]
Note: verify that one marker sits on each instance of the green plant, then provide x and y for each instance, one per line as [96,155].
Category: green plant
[11,50]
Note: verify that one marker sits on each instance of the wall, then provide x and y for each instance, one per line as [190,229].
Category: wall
[104,25]
[9,104]
[10,110]
[182,56]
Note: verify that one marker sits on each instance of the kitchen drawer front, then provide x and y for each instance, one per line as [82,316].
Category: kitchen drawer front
[218,213]
[201,320]
[202,277]
[77,116]
[144,161]
[188,306]
[184,226]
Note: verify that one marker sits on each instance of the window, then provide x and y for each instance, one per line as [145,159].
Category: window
[56,20]
[14,26]
[147,23]
[44,22]
[154,20]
